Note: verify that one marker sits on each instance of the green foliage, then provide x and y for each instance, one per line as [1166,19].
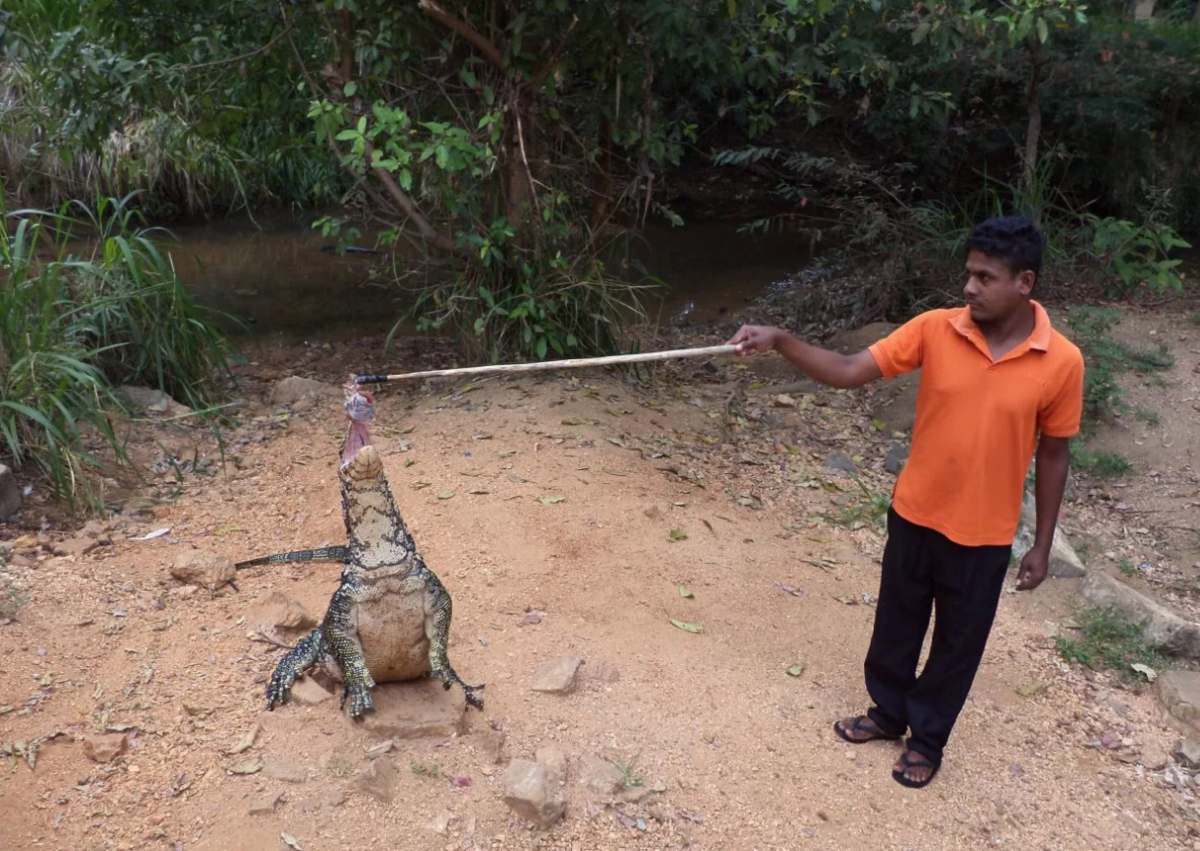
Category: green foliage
[1105,641]
[1101,464]
[1134,256]
[1106,359]
[73,327]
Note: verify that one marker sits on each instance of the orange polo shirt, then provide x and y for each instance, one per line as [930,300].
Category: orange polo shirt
[978,420]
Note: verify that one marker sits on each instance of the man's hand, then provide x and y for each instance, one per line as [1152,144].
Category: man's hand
[752,339]
[1033,569]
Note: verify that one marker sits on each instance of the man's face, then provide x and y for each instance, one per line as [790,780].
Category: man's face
[992,290]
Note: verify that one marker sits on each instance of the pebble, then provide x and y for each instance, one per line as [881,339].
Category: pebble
[557,677]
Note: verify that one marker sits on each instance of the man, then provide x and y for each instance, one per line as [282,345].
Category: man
[994,375]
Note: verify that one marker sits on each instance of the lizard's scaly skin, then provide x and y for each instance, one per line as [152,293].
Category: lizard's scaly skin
[389,618]
[322,554]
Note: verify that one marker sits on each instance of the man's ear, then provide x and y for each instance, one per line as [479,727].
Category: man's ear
[1025,282]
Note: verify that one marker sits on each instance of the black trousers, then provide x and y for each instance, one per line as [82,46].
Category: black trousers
[923,569]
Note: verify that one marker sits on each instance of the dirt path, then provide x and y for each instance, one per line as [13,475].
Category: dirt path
[724,748]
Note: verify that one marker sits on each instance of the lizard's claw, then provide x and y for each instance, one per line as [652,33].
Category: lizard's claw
[278,688]
[360,700]
[472,699]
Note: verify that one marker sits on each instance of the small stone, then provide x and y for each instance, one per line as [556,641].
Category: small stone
[491,745]
[333,797]
[840,464]
[1154,758]
[77,547]
[264,804]
[10,493]
[105,748]
[653,512]
[895,459]
[555,762]
[1187,753]
[601,776]
[441,823]
[784,401]
[200,567]
[278,611]
[529,792]
[557,677]
[308,692]
[288,772]
[378,780]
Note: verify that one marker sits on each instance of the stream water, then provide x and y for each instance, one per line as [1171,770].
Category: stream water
[272,274]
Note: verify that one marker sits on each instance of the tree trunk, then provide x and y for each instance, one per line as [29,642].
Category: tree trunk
[1033,130]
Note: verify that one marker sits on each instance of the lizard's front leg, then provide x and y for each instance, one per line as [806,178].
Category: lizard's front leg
[341,640]
[295,662]
[438,609]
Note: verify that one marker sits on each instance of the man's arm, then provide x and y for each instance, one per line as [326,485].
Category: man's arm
[1052,462]
[832,368]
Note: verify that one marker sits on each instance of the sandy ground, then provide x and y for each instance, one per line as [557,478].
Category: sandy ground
[724,748]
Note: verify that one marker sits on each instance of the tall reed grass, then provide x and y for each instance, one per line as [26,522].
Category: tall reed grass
[79,317]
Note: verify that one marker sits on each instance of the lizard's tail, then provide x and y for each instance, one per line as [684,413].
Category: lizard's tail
[321,554]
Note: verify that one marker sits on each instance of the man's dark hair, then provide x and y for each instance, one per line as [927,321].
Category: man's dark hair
[1014,240]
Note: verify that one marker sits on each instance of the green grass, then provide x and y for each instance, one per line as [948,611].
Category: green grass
[1105,642]
[75,326]
[1101,464]
[869,510]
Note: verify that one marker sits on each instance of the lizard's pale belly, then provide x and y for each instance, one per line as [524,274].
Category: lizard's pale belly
[390,628]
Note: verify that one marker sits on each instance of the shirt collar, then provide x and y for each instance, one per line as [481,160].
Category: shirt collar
[1039,338]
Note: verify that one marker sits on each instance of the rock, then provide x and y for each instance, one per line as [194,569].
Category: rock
[200,567]
[557,677]
[77,547]
[601,776]
[1162,628]
[1179,694]
[653,512]
[413,710]
[264,804]
[10,493]
[378,780]
[840,464]
[288,772]
[105,748]
[333,797]
[308,692]
[1064,562]
[530,792]
[1153,758]
[1187,753]
[554,761]
[294,388]
[441,823]
[146,398]
[278,611]
[783,401]
[491,745]
[893,462]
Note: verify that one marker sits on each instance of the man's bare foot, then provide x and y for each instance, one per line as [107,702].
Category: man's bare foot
[913,770]
[859,729]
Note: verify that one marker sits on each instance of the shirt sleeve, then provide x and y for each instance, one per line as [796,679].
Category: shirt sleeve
[1061,414]
[903,350]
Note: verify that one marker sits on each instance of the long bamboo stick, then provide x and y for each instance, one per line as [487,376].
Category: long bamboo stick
[573,363]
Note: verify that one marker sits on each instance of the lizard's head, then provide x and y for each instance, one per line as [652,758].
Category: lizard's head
[360,458]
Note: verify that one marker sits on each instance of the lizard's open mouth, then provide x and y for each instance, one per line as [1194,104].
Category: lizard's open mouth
[360,408]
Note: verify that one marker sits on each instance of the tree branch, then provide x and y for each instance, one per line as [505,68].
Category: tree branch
[549,64]
[428,232]
[464,29]
[255,52]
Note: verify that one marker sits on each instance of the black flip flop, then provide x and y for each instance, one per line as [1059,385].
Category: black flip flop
[876,733]
[918,762]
